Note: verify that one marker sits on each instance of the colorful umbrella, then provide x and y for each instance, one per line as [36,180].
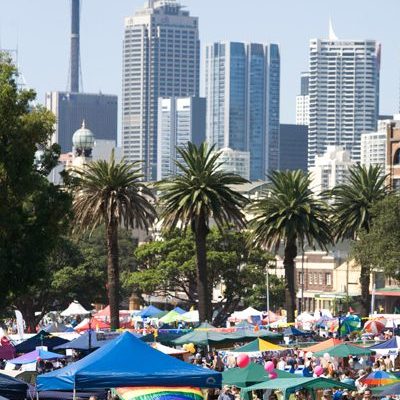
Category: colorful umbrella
[350,324]
[159,393]
[375,326]
[379,378]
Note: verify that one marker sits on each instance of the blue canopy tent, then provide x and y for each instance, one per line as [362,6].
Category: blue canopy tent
[390,347]
[43,338]
[82,342]
[127,361]
[292,331]
[12,388]
[179,310]
[149,312]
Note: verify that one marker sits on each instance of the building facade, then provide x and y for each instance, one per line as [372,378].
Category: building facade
[161,58]
[242,91]
[235,162]
[303,101]
[180,120]
[293,147]
[344,94]
[99,111]
[393,155]
[330,169]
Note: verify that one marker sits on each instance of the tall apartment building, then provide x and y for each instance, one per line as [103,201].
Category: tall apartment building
[180,120]
[161,58]
[330,169]
[344,94]
[242,91]
[303,101]
[374,144]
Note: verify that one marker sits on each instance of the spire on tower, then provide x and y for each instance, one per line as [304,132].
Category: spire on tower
[332,36]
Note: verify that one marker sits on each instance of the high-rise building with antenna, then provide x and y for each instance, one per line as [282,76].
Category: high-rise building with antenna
[100,111]
[161,58]
[343,94]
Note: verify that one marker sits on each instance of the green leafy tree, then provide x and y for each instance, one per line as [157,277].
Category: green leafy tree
[291,214]
[112,194]
[201,192]
[352,211]
[168,267]
[379,247]
[33,212]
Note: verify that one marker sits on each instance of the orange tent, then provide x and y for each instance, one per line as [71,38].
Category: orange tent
[323,345]
[95,325]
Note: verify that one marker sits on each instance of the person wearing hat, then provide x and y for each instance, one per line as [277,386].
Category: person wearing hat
[226,394]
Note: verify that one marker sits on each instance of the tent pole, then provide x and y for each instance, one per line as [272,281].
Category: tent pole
[74,393]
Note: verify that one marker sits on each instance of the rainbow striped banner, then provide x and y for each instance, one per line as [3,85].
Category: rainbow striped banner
[159,393]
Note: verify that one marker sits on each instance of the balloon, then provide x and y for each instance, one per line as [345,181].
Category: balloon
[243,360]
[318,370]
[327,357]
[273,375]
[269,366]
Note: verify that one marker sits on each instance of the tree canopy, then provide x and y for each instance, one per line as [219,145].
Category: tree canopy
[33,212]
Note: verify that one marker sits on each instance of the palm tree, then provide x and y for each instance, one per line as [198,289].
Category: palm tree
[112,194]
[291,214]
[352,206]
[201,192]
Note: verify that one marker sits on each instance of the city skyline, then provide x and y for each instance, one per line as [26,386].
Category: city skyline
[101,47]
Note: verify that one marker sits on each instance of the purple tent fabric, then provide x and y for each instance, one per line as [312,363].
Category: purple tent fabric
[34,355]
[7,352]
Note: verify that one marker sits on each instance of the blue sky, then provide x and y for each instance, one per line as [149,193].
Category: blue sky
[41,28]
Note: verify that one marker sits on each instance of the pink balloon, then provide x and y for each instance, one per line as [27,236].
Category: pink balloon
[243,360]
[318,370]
[273,375]
[269,366]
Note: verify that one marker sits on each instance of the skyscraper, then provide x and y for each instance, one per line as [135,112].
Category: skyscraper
[344,93]
[99,111]
[303,101]
[161,58]
[242,91]
[180,120]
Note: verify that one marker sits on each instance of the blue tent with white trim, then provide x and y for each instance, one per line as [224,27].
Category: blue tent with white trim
[127,361]
[149,312]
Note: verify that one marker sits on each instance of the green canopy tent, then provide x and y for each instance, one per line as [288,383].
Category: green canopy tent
[172,316]
[344,350]
[291,385]
[204,335]
[251,375]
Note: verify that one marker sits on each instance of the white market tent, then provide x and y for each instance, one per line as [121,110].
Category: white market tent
[245,314]
[191,316]
[74,309]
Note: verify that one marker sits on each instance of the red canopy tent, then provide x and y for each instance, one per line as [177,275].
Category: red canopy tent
[95,324]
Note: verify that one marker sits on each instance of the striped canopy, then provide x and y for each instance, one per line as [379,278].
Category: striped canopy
[159,393]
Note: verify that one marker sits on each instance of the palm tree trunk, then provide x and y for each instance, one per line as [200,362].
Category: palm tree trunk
[365,296]
[290,289]
[200,232]
[113,272]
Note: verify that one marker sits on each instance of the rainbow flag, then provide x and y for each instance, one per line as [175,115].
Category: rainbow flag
[159,393]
